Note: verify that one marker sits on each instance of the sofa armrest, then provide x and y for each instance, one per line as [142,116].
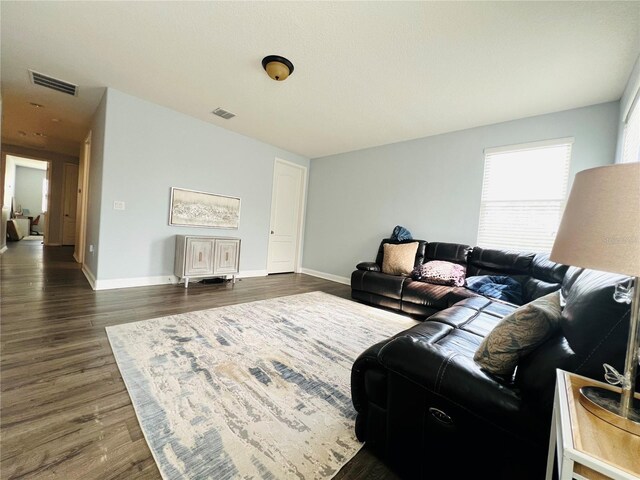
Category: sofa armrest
[368,266]
[453,376]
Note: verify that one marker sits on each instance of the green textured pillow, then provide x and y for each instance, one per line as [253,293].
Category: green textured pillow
[519,333]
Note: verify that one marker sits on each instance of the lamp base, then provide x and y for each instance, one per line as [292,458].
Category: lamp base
[605,404]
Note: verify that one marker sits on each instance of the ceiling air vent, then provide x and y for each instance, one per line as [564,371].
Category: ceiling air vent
[53,83]
[223,113]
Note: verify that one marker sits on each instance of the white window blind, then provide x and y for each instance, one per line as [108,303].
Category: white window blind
[523,195]
[631,135]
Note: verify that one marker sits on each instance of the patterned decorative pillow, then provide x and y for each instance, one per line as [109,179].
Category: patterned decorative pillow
[398,259]
[519,333]
[440,273]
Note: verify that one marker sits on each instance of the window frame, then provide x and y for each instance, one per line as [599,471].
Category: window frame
[543,245]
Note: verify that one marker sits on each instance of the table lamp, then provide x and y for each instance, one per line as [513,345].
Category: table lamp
[600,230]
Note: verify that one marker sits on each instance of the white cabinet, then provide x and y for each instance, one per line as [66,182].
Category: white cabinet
[199,256]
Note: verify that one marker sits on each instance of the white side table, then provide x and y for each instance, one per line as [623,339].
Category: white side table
[587,446]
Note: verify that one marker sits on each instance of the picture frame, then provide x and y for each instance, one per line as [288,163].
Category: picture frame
[193,208]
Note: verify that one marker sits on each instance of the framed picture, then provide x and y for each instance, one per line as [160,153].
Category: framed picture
[191,208]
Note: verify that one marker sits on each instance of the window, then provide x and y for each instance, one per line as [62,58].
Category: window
[523,194]
[631,135]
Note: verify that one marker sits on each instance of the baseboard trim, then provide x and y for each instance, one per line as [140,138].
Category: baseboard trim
[327,276]
[89,276]
[113,283]
[251,273]
[3,249]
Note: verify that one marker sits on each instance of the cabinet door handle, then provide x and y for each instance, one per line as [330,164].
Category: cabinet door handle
[200,256]
[226,256]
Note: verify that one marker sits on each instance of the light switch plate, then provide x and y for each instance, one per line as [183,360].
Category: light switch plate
[118,205]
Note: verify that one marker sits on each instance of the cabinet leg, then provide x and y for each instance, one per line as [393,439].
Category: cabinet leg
[234,279]
[186,282]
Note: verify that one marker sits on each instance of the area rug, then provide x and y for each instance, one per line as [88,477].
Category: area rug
[256,390]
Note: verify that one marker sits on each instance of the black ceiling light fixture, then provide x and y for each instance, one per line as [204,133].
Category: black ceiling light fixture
[277,67]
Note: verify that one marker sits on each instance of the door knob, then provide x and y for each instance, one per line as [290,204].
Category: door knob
[271,232]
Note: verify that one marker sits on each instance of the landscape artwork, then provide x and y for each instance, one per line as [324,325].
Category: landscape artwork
[200,209]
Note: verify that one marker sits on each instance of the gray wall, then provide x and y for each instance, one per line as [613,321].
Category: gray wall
[94,196]
[29,191]
[432,186]
[625,103]
[147,150]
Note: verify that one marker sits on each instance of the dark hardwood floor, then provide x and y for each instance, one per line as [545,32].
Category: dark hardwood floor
[64,410]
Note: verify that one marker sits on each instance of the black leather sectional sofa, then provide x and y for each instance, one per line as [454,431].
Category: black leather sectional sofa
[425,406]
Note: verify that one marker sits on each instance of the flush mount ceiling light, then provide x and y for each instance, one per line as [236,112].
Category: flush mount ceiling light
[277,67]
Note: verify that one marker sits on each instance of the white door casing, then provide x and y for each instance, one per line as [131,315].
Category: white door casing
[69,203]
[287,214]
[83,198]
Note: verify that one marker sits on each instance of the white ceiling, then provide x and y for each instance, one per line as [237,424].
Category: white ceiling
[366,73]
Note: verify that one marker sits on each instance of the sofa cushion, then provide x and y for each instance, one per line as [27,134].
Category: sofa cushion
[428,294]
[449,252]
[545,277]
[485,261]
[399,259]
[519,333]
[440,272]
[500,287]
[594,324]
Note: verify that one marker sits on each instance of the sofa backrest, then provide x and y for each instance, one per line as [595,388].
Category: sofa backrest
[537,274]
[486,261]
[422,246]
[593,331]
[448,252]
[545,277]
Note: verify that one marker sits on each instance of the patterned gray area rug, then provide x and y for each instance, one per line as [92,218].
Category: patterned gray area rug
[256,390]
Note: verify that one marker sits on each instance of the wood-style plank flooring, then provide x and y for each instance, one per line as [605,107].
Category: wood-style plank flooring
[64,410]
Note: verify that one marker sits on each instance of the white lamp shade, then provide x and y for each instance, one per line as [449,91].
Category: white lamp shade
[600,227]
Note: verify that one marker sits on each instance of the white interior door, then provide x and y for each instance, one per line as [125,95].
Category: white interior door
[69,199]
[287,203]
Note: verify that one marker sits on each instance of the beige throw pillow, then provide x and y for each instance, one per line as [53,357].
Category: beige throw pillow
[518,334]
[398,259]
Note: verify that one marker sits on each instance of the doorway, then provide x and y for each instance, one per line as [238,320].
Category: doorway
[69,203]
[26,192]
[287,216]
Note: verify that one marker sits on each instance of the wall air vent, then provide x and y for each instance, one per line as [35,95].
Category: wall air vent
[223,113]
[53,83]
